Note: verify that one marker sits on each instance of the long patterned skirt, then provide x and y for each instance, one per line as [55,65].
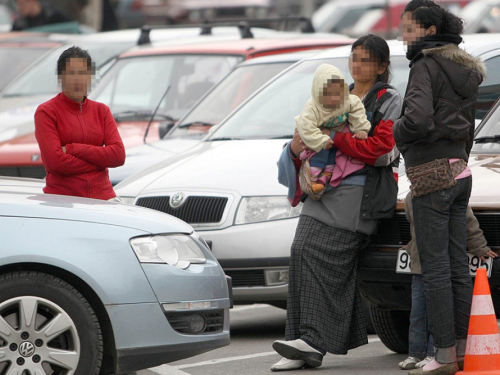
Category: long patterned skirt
[324,306]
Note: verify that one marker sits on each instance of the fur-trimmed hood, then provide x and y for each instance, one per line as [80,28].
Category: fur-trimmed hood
[465,71]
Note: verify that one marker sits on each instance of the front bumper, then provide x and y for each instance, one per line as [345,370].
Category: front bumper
[381,285]
[151,334]
[255,247]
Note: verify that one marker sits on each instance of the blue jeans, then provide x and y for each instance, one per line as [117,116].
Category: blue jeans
[420,341]
[441,235]
[323,158]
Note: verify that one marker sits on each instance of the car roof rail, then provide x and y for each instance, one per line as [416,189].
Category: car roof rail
[243,26]
[205,29]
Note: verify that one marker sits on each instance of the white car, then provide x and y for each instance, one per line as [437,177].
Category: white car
[227,188]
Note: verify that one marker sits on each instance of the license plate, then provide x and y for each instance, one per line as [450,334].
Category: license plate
[403,264]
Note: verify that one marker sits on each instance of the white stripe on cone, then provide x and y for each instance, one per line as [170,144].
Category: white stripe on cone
[482,305]
[483,344]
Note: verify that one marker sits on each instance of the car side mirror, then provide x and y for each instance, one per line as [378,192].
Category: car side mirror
[165,127]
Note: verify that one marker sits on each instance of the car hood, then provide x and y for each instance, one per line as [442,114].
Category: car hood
[48,206]
[144,156]
[486,179]
[247,167]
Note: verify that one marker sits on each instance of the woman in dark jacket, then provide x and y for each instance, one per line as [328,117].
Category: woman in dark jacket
[324,311]
[438,124]
[78,137]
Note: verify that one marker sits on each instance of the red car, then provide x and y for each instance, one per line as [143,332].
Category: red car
[163,82]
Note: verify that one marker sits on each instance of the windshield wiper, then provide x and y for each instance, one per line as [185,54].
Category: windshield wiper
[488,139]
[201,123]
[282,137]
[224,139]
[141,114]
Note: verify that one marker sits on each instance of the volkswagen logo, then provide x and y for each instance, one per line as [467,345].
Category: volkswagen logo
[177,200]
[26,349]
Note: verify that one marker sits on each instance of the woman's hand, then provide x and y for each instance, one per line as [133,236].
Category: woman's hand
[490,254]
[296,145]
[64,149]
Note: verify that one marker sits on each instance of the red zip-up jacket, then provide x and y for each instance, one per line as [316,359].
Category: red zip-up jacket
[93,144]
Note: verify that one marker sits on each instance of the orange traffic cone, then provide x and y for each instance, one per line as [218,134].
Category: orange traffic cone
[482,355]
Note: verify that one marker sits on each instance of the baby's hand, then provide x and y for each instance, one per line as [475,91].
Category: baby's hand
[360,135]
[329,144]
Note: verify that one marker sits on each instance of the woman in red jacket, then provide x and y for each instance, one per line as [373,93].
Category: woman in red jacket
[78,137]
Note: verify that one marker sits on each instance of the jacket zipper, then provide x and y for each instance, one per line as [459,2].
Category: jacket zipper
[89,187]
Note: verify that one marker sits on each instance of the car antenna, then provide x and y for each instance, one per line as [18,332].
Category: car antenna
[154,113]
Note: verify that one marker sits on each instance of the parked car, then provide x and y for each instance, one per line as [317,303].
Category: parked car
[227,188]
[359,17]
[150,87]
[482,16]
[138,290]
[181,11]
[19,100]
[223,98]
[210,110]
[18,52]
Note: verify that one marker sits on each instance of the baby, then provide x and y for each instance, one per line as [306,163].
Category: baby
[331,106]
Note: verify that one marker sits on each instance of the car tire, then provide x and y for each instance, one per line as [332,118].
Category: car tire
[49,323]
[366,310]
[392,328]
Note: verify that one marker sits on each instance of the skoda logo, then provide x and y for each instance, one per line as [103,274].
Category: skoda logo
[26,349]
[177,200]
[35,157]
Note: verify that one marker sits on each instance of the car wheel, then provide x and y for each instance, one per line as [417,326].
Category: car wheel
[46,327]
[368,318]
[392,328]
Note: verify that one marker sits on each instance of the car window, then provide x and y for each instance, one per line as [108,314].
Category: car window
[489,128]
[230,93]
[270,114]
[139,84]
[489,90]
[42,79]
[13,61]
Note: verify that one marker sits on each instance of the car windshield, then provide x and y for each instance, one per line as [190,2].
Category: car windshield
[270,114]
[134,87]
[41,79]
[489,128]
[223,99]
[13,61]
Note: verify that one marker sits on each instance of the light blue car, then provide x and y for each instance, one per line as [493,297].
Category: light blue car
[94,287]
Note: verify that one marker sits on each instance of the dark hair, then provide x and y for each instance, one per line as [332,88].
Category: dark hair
[377,47]
[428,13]
[74,52]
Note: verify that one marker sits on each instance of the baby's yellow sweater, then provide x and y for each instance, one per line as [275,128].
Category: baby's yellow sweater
[314,115]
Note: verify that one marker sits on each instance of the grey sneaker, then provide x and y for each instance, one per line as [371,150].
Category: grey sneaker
[409,363]
[424,361]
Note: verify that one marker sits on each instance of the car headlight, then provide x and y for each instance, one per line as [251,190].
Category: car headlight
[127,200]
[178,250]
[257,209]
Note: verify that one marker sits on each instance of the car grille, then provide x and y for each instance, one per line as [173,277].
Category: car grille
[199,210]
[396,231]
[245,278]
[32,172]
[180,321]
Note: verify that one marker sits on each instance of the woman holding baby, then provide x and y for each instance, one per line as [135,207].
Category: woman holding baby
[346,149]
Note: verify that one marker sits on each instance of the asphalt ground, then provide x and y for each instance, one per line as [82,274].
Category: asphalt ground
[253,330]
